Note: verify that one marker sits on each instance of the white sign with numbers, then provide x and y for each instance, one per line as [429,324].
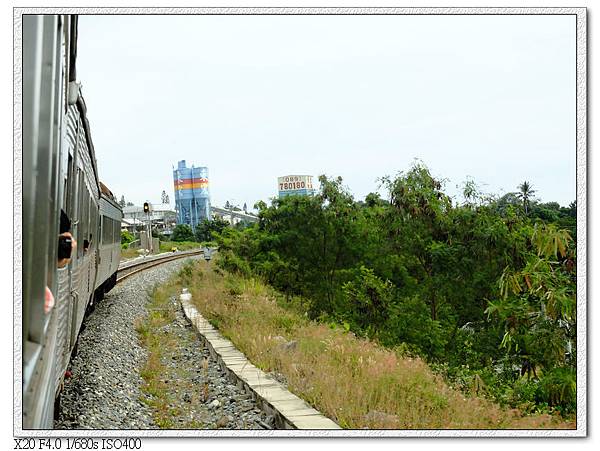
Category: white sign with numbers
[295,182]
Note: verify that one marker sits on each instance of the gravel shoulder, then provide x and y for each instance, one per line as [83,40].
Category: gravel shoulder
[105,390]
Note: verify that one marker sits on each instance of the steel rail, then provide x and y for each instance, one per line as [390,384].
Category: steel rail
[123,273]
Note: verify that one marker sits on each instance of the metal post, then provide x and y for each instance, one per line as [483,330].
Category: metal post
[149,231]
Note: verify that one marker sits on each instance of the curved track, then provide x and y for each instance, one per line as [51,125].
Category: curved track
[129,268]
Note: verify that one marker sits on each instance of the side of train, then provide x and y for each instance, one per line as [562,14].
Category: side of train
[59,173]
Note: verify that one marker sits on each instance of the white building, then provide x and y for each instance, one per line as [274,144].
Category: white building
[161,215]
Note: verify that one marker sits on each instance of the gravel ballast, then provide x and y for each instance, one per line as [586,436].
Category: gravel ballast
[104,387]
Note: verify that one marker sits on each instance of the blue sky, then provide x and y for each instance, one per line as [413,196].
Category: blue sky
[256,97]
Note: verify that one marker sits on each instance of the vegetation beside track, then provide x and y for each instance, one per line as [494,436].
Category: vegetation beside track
[352,380]
[165,246]
[483,289]
[163,383]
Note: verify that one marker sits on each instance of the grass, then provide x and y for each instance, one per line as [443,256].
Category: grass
[127,254]
[356,382]
[160,381]
[155,388]
[165,246]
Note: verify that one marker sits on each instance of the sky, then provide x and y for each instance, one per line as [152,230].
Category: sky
[489,98]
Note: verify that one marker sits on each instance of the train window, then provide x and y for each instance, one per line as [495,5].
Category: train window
[112,232]
[117,232]
[90,221]
[106,230]
[93,236]
[67,188]
[83,217]
[101,236]
[79,214]
[86,223]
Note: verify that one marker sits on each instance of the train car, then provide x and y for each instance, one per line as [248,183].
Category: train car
[110,241]
[60,180]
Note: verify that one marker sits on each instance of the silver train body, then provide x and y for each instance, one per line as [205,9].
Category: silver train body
[59,173]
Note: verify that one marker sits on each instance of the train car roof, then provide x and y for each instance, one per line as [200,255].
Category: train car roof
[88,137]
[108,195]
[104,190]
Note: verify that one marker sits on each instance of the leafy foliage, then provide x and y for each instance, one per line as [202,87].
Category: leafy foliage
[206,228]
[126,237]
[485,289]
[182,232]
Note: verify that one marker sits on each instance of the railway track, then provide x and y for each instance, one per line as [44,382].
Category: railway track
[104,389]
[129,268]
[210,384]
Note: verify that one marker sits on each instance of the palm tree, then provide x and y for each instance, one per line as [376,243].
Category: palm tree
[525,194]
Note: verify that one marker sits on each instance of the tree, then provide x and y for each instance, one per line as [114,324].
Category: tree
[536,306]
[374,199]
[416,225]
[182,232]
[525,194]
[122,201]
[206,228]
[245,208]
[573,209]
[164,197]
[476,284]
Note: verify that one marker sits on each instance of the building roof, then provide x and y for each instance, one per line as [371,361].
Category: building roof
[130,222]
[155,207]
[132,209]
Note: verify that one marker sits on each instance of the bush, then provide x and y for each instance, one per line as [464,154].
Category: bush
[126,238]
[368,299]
[230,262]
[407,319]
[182,232]
[206,229]
[558,388]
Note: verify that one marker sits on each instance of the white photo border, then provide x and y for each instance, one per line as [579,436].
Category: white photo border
[581,162]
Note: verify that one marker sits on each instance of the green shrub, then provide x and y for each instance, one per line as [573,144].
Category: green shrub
[230,262]
[187,273]
[182,232]
[558,388]
[126,238]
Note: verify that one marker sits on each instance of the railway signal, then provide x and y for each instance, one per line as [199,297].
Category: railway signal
[148,227]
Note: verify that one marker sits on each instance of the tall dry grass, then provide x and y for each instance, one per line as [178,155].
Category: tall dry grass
[356,382]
